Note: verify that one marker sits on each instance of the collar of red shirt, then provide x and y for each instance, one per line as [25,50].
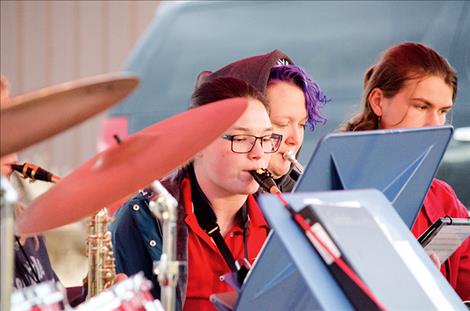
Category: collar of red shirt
[432,209]
[255,215]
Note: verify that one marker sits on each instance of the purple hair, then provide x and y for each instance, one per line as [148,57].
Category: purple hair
[314,96]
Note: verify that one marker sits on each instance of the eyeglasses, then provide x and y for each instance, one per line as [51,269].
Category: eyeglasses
[246,143]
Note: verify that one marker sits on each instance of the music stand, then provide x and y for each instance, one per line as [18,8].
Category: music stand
[290,275]
[401,163]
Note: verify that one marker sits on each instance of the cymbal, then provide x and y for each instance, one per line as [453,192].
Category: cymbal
[35,116]
[124,168]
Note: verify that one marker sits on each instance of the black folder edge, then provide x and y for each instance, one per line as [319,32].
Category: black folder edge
[355,294]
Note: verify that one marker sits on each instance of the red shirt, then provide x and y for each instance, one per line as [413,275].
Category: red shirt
[440,201]
[205,263]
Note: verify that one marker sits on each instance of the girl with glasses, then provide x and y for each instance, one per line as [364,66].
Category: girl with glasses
[413,86]
[220,225]
[295,101]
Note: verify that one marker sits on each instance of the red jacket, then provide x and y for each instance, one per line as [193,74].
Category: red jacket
[442,201]
[205,262]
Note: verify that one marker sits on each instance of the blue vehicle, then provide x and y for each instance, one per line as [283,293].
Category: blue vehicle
[335,41]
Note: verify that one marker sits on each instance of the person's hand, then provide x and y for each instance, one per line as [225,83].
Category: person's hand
[120,277]
[5,163]
[435,260]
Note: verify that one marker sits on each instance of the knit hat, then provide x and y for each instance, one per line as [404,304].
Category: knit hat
[253,70]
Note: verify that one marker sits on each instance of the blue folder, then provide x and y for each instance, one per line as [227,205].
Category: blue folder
[400,163]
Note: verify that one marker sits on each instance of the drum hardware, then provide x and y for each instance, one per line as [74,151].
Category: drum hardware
[164,207]
[45,296]
[29,118]
[9,198]
[124,168]
[132,294]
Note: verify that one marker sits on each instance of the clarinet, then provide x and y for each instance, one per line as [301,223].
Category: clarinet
[265,179]
[34,172]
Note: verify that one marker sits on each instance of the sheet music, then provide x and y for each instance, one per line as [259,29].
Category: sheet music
[447,240]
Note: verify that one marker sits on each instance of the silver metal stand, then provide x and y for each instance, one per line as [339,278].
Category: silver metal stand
[164,207]
[8,198]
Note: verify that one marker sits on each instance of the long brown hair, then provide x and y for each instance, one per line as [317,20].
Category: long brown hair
[399,64]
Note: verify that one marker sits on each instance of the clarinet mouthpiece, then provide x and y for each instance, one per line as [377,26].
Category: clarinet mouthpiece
[265,179]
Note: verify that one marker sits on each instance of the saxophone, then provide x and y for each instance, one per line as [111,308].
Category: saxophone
[101,266]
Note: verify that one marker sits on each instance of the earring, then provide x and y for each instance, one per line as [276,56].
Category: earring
[379,118]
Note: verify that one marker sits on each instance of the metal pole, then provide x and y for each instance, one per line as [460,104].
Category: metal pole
[9,198]
[164,207]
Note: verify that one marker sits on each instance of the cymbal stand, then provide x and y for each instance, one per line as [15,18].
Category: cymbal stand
[8,197]
[164,207]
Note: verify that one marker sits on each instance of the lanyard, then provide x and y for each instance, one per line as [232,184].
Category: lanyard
[33,272]
[207,220]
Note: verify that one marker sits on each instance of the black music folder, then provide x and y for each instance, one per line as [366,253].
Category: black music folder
[444,236]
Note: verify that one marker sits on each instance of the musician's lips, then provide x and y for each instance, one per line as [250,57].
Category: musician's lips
[254,170]
[248,172]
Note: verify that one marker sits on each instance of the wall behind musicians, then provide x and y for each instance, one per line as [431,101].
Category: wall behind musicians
[49,42]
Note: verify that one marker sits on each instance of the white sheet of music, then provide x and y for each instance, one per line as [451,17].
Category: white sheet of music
[447,240]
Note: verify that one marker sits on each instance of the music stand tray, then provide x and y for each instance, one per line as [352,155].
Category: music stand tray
[289,274]
[401,163]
